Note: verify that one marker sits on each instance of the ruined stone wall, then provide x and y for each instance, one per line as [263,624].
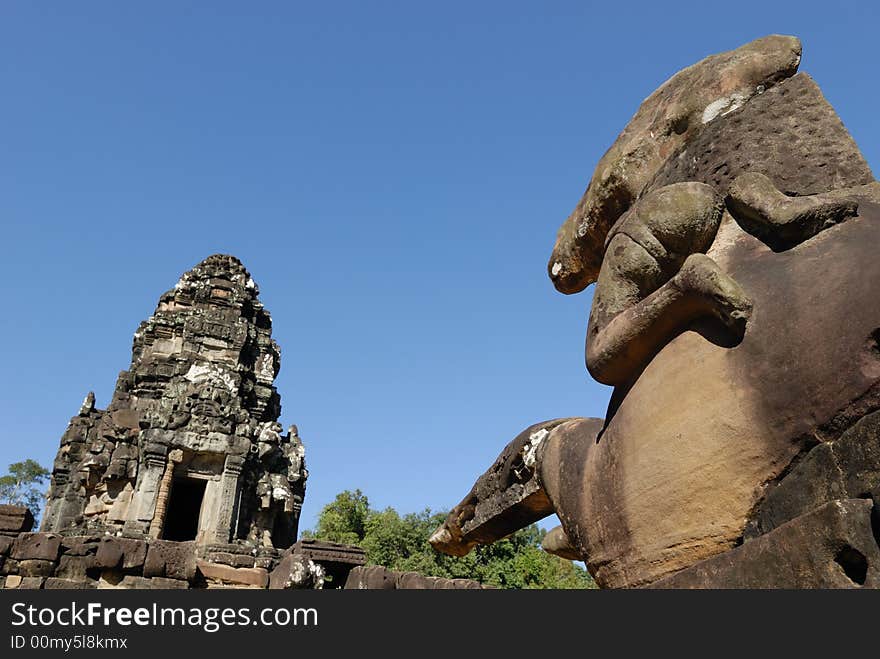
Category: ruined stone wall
[53,561]
[376,577]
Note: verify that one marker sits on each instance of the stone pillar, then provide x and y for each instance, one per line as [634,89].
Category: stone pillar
[227,511]
[165,485]
[143,505]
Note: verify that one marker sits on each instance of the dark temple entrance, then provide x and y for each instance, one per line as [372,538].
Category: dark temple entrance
[184,507]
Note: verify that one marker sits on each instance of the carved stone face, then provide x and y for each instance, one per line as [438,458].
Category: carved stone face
[666,120]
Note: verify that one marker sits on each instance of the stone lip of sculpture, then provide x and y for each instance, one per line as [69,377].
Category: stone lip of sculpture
[196,408]
[696,454]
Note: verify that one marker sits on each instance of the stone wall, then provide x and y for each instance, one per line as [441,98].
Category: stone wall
[55,561]
[376,577]
[52,561]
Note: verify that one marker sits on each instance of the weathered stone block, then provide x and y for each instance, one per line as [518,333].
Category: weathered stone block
[75,567]
[135,583]
[175,560]
[132,582]
[244,576]
[295,571]
[412,581]
[79,545]
[372,577]
[35,567]
[56,583]
[845,468]
[126,553]
[42,546]
[15,519]
[831,547]
[31,583]
[467,584]
[325,552]
[126,418]
[240,560]
[14,581]
[233,560]
[222,585]
[5,545]
[164,583]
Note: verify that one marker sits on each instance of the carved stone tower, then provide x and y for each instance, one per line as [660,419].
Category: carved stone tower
[189,448]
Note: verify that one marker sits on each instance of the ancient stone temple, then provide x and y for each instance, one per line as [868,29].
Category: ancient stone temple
[189,448]
[731,231]
[186,479]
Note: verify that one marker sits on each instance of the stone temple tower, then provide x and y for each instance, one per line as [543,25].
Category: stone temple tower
[189,448]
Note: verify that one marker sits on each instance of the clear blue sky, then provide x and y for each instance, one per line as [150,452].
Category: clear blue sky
[392,174]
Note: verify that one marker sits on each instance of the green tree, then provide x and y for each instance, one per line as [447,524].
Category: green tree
[24,485]
[344,520]
[401,543]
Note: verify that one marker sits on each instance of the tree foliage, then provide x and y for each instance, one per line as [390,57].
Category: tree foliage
[24,485]
[344,520]
[400,542]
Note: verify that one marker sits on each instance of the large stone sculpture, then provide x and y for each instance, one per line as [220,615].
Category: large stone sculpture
[731,231]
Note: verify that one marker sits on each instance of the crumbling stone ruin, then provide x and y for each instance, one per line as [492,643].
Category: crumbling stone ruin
[185,480]
[376,577]
[83,561]
[189,448]
[731,232]
[186,475]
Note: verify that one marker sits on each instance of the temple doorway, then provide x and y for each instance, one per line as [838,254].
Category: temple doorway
[184,509]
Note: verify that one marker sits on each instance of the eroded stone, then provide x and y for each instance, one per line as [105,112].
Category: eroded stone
[831,547]
[671,116]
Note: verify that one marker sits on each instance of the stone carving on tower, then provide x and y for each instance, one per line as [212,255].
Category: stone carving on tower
[189,447]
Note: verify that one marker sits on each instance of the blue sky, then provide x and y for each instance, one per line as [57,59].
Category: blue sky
[393,176]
